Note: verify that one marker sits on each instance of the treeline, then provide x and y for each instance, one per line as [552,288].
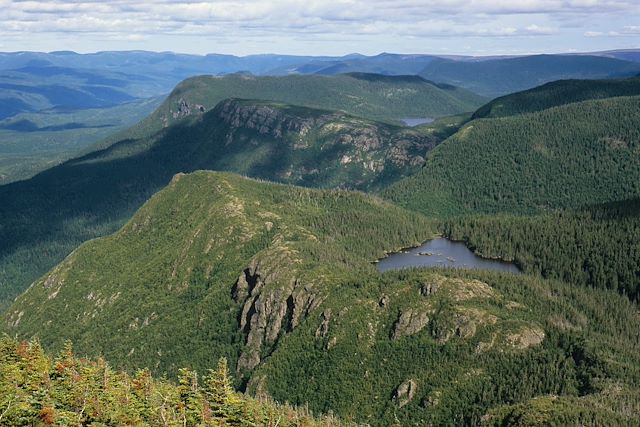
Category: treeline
[556,411]
[36,389]
[595,246]
[563,157]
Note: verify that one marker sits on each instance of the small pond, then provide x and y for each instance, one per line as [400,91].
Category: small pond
[415,121]
[442,252]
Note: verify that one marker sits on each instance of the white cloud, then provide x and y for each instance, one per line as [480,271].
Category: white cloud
[264,20]
[540,30]
[627,31]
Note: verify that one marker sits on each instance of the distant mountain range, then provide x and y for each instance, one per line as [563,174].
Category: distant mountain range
[31,81]
[495,77]
[279,278]
[330,145]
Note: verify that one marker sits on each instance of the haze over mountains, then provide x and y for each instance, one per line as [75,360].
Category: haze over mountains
[71,81]
[239,214]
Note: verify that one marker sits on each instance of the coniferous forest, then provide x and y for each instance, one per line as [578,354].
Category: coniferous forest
[216,263]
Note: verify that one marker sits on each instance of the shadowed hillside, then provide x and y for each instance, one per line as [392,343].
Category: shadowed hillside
[44,218]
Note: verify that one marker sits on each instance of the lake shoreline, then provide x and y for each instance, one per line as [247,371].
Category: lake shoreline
[440,251]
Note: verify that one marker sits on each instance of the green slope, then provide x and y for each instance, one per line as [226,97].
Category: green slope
[595,246]
[278,279]
[373,96]
[500,76]
[569,156]
[555,94]
[290,237]
[44,218]
[32,142]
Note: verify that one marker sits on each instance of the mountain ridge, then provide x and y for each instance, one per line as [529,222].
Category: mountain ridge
[276,279]
[522,152]
[45,217]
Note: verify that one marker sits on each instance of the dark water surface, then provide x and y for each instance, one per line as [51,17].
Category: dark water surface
[442,252]
[415,121]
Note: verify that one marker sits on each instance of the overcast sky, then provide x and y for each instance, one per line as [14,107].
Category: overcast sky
[331,27]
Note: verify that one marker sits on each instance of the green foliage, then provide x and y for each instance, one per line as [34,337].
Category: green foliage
[589,351]
[190,244]
[570,411]
[45,218]
[32,142]
[555,94]
[596,246]
[36,390]
[163,292]
[276,281]
[562,157]
[386,98]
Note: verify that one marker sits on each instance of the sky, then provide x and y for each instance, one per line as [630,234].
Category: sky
[321,27]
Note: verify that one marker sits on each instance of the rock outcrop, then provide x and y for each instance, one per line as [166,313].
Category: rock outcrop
[526,337]
[411,321]
[428,288]
[323,329]
[185,109]
[266,119]
[369,147]
[405,393]
[273,302]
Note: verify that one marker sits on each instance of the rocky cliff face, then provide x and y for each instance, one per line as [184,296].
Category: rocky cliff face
[312,142]
[274,301]
[268,119]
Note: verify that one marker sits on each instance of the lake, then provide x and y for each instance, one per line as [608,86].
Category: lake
[415,121]
[442,252]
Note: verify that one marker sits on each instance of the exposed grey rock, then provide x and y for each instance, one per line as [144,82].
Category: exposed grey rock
[432,400]
[262,321]
[428,288]
[269,303]
[332,343]
[304,302]
[265,119]
[410,322]
[405,392]
[323,329]
[185,109]
[384,301]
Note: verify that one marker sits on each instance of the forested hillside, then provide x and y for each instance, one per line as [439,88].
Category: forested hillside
[154,268]
[277,280]
[46,217]
[275,241]
[569,156]
[555,94]
[33,142]
[373,96]
[596,246]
